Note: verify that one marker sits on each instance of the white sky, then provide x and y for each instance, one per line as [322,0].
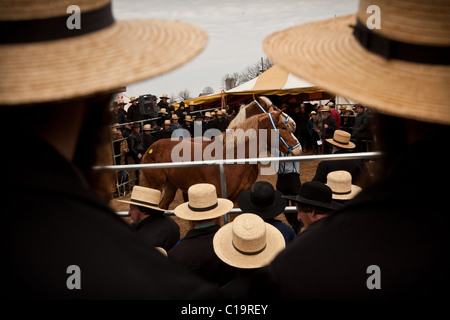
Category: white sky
[236,30]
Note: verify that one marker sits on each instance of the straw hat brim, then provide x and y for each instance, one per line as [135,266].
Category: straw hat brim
[224,206]
[350,144]
[142,205]
[224,249]
[354,191]
[95,62]
[393,87]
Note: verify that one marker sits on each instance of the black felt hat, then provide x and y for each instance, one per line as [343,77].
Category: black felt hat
[315,194]
[263,200]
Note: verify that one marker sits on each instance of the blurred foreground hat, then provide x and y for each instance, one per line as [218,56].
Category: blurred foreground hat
[401,68]
[46,57]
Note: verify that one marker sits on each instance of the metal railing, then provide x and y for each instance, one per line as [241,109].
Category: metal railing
[222,162]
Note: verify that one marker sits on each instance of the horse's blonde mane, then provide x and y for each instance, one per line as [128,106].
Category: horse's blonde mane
[241,117]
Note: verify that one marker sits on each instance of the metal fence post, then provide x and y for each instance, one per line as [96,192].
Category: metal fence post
[223,187]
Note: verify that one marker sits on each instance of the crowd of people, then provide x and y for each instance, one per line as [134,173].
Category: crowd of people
[388,242]
[317,122]
[219,253]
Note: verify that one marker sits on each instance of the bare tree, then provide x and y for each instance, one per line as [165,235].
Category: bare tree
[208,90]
[184,95]
[247,74]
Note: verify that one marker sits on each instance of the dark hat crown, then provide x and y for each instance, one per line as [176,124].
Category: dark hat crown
[317,191]
[262,194]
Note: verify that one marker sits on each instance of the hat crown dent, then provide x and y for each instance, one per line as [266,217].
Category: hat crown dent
[417,22]
[146,194]
[202,195]
[339,181]
[249,233]
[262,194]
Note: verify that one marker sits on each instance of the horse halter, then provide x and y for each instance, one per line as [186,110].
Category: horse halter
[289,147]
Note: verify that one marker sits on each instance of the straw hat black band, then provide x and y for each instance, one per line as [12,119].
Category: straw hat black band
[144,202]
[340,193]
[203,209]
[54,28]
[246,252]
[348,142]
[392,49]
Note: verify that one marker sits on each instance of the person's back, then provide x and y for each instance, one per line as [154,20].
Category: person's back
[158,231]
[195,252]
[387,227]
[65,225]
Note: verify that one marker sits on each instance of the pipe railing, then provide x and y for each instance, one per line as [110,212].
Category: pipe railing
[222,162]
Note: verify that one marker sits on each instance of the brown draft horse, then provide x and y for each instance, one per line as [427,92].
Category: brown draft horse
[238,177]
[257,106]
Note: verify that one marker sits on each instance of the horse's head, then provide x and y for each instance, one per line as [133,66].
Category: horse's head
[288,142]
[284,118]
[268,106]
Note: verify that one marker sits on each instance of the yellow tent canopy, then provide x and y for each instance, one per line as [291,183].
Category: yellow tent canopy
[274,81]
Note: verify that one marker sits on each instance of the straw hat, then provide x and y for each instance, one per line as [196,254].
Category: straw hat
[188,118]
[147,127]
[203,204]
[164,96]
[145,197]
[248,242]
[175,117]
[132,99]
[43,60]
[208,114]
[167,122]
[163,111]
[406,82]
[341,185]
[341,139]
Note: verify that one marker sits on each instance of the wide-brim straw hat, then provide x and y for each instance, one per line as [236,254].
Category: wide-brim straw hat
[248,242]
[341,185]
[203,204]
[42,60]
[409,76]
[145,197]
[341,139]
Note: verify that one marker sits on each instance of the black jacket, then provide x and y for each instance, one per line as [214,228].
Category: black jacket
[159,231]
[399,224]
[51,221]
[136,145]
[356,167]
[195,252]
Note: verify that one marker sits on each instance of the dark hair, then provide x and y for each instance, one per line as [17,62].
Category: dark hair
[309,208]
[150,211]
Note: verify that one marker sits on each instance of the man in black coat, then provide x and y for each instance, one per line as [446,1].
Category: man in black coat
[391,240]
[136,143]
[328,128]
[195,252]
[341,144]
[60,239]
[149,221]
